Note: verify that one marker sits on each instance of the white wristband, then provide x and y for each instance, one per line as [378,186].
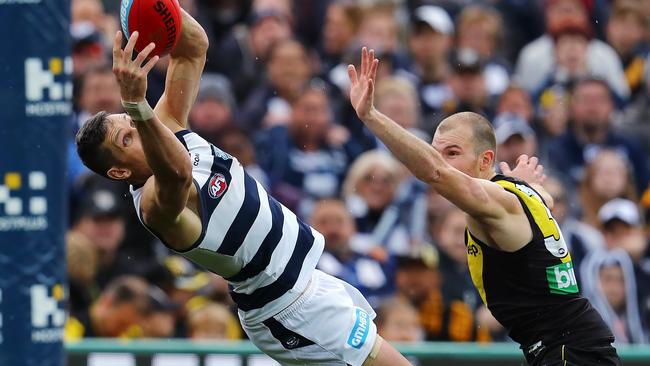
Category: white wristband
[139,111]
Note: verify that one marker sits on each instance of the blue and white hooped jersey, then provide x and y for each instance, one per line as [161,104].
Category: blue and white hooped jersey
[258,245]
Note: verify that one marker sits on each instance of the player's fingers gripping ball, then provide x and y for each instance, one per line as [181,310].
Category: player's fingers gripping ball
[157,21]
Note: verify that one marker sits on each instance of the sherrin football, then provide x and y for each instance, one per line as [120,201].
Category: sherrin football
[157,21]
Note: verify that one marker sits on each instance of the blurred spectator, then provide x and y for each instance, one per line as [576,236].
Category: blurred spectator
[237,143]
[538,59]
[116,313]
[158,319]
[100,221]
[430,45]
[418,281]
[448,234]
[379,30]
[340,29]
[397,98]
[241,55]
[610,285]
[96,90]
[626,33]
[398,321]
[479,29]
[591,117]
[270,103]
[214,109]
[213,321]
[87,48]
[622,228]
[514,138]
[81,264]
[369,191]
[301,163]
[516,100]
[92,14]
[467,83]
[607,176]
[375,279]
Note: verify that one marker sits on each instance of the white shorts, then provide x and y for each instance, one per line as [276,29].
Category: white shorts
[329,324]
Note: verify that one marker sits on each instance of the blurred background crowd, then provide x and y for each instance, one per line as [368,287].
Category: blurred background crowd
[565,80]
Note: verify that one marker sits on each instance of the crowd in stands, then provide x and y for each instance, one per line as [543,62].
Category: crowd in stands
[565,80]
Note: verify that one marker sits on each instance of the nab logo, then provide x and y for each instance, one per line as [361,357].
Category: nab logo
[48,315]
[217,186]
[48,88]
[360,330]
[23,206]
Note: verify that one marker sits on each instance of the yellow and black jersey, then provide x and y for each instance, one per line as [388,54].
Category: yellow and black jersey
[533,291]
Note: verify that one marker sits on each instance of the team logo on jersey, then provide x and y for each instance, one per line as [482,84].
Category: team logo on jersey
[360,329]
[562,279]
[217,186]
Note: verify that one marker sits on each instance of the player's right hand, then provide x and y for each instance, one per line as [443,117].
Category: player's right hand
[131,74]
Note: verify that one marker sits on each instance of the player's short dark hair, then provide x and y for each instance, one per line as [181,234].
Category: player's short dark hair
[89,142]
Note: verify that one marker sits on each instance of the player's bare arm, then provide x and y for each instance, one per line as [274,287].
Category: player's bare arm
[167,191]
[183,75]
[478,197]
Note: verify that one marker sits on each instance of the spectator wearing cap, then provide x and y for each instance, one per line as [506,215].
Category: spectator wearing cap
[303,164]
[88,48]
[467,83]
[214,109]
[479,29]
[430,44]
[622,227]
[269,104]
[418,281]
[591,129]
[374,278]
[514,138]
[537,60]
[242,54]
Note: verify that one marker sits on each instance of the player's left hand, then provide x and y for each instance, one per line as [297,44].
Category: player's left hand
[528,169]
[131,74]
[363,84]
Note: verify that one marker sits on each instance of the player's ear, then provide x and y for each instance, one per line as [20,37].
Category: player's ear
[486,160]
[118,173]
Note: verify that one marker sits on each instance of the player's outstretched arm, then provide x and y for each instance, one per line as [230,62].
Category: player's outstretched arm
[183,74]
[477,197]
[164,153]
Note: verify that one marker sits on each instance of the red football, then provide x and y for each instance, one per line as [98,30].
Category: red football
[157,21]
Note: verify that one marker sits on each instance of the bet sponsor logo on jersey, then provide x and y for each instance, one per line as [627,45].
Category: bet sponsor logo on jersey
[562,279]
[23,205]
[360,329]
[48,86]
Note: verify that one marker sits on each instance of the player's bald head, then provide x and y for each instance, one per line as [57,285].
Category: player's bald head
[482,133]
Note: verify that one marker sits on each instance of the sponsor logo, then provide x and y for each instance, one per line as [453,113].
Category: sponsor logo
[360,329]
[217,186]
[48,89]
[197,159]
[220,153]
[472,250]
[292,342]
[48,315]
[23,208]
[562,279]
[170,25]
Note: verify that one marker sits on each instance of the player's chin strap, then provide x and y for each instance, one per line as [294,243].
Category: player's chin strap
[138,111]
[374,352]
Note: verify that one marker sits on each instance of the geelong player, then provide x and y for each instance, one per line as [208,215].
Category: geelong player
[199,201]
[517,256]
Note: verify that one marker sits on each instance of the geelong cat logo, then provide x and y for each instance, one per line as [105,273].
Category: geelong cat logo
[217,186]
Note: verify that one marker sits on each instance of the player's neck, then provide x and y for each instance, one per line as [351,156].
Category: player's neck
[488,174]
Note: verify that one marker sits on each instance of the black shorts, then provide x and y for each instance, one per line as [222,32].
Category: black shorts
[576,355]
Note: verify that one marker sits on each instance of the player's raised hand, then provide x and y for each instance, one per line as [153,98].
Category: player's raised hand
[363,83]
[528,169]
[131,74]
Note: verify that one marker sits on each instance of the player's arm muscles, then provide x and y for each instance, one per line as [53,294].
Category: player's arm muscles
[165,196]
[183,75]
[479,198]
